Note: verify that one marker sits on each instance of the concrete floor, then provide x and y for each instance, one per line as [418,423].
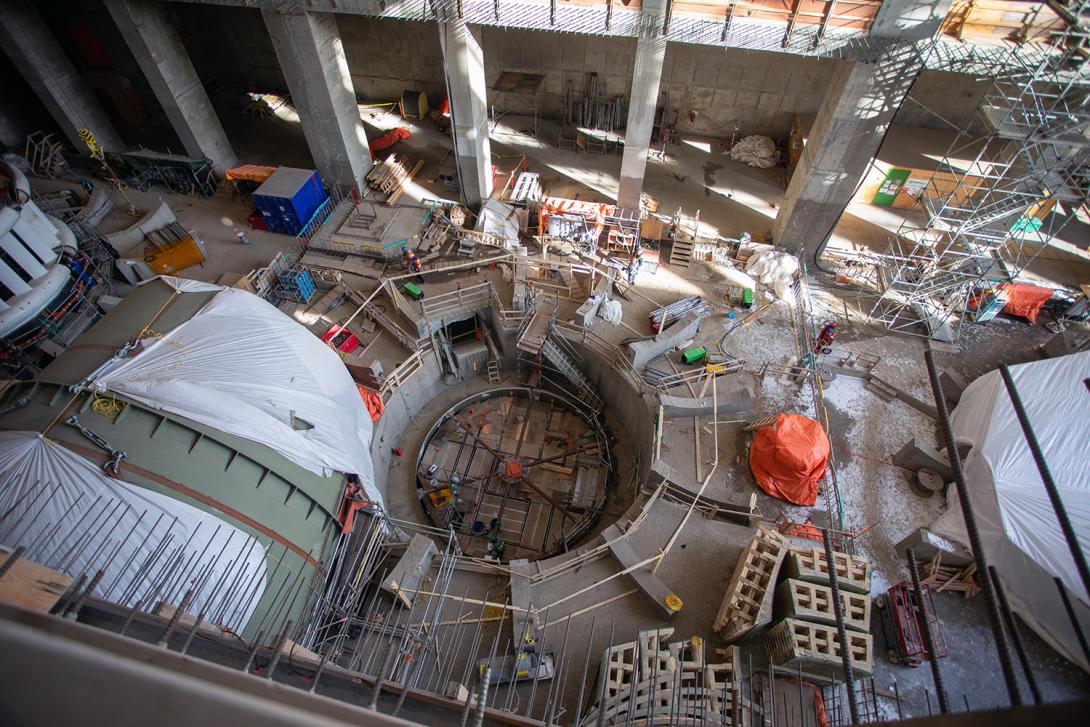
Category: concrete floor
[865,430]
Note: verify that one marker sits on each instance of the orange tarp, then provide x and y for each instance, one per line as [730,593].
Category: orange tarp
[390,138]
[373,403]
[788,458]
[250,173]
[1025,300]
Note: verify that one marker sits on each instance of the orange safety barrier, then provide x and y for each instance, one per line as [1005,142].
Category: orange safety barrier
[390,138]
[593,212]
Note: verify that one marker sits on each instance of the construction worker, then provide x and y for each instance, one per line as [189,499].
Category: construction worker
[242,237]
[634,268]
[412,263]
[495,547]
[825,338]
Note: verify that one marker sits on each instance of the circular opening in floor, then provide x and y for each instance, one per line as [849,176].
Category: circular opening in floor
[516,472]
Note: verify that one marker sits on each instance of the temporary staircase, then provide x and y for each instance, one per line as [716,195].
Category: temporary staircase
[553,350]
[680,252]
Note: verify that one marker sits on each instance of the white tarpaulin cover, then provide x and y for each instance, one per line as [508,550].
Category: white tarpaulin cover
[245,368]
[499,219]
[75,519]
[1017,524]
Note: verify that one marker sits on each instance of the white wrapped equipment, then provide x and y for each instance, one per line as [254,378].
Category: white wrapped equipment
[774,269]
[243,367]
[756,151]
[611,312]
[47,490]
[1017,525]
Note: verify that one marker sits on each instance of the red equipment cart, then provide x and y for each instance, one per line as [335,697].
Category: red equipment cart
[902,625]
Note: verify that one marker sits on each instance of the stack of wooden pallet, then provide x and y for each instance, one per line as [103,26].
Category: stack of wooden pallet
[747,604]
[941,577]
[805,635]
[391,176]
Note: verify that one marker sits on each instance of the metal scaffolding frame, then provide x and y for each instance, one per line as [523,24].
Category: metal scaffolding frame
[991,205]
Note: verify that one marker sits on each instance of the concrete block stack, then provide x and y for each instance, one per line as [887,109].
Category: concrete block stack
[805,634]
[747,603]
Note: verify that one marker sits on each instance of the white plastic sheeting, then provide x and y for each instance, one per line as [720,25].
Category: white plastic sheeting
[243,367]
[75,519]
[1017,524]
[499,219]
[756,151]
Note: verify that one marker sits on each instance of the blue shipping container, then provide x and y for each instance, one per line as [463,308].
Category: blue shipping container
[288,199]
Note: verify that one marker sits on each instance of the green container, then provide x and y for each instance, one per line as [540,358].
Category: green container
[693,355]
[413,291]
[747,297]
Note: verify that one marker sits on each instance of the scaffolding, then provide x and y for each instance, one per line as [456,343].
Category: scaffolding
[999,198]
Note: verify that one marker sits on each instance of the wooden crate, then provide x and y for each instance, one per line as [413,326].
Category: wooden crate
[747,603]
[809,564]
[793,643]
[813,602]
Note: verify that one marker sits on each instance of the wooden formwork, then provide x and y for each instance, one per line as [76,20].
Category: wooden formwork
[810,565]
[815,648]
[649,683]
[813,602]
[747,603]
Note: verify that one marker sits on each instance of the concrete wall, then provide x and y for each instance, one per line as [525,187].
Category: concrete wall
[386,57]
[762,91]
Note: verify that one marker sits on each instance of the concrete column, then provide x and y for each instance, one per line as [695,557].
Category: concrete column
[311,55]
[38,56]
[862,99]
[463,63]
[646,73]
[158,49]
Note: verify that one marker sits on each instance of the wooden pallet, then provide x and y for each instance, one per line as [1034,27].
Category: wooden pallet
[747,603]
[813,602]
[815,648]
[939,577]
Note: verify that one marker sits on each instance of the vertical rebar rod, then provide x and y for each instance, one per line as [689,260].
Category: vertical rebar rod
[583,681]
[841,630]
[1016,638]
[108,590]
[1068,529]
[928,634]
[1069,607]
[15,556]
[975,542]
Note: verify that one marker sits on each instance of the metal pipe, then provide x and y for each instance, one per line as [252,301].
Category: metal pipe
[928,634]
[975,543]
[1016,638]
[842,632]
[1068,529]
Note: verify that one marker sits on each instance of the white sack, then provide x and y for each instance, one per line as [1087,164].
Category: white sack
[756,151]
[774,269]
[611,312]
